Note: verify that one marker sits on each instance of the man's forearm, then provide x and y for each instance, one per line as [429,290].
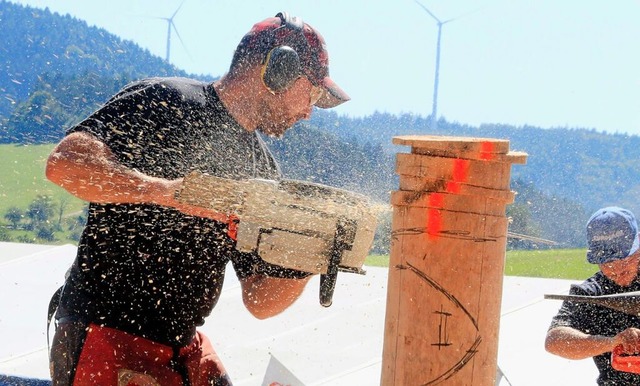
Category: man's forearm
[266,296]
[573,344]
[86,168]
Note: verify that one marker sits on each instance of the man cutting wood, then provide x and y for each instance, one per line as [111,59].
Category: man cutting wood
[150,268]
[582,330]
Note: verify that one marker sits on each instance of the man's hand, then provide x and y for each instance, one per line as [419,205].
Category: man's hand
[167,197]
[629,339]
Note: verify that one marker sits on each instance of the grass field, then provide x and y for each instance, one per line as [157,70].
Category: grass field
[556,264]
[22,178]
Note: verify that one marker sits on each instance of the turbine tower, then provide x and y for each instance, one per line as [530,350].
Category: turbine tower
[171,25]
[434,110]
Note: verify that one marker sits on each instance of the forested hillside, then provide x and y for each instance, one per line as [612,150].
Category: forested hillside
[589,167]
[37,42]
[57,69]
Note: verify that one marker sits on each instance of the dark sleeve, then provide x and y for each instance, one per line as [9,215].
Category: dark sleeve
[116,117]
[140,113]
[142,127]
[247,264]
[573,314]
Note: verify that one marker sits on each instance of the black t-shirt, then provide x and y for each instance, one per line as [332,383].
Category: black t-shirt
[598,320]
[146,269]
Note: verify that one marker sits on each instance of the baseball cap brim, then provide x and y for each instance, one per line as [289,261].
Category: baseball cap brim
[333,95]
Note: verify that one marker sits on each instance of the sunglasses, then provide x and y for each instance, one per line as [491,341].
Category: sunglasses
[315,94]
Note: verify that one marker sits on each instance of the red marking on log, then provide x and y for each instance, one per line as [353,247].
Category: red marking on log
[453,187]
[436,200]
[460,170]
[487,150]
[434,223]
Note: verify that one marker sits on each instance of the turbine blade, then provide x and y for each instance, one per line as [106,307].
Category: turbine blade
[429,12]
[466,14]
[174,14]
[181,41]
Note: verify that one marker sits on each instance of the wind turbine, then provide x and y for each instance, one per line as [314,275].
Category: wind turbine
[434,110]
[171,25]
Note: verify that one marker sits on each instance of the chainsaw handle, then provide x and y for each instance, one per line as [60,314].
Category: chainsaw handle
[625,362]
[343,240]
[327,287]
[328,280]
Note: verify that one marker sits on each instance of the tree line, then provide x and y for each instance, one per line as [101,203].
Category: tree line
[43,221]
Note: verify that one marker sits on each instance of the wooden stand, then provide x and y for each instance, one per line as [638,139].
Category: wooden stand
[449,235]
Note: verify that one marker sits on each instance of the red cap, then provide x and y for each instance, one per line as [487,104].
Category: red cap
[308,44]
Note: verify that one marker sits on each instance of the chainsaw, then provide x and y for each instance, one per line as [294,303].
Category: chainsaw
[294,224]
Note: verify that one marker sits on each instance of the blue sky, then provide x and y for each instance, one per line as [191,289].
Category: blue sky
[547,63]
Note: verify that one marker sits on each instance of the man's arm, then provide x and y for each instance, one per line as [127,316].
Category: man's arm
[266,296]
[86,168]
[570,343]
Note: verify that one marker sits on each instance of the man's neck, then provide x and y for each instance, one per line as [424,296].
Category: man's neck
[239,99]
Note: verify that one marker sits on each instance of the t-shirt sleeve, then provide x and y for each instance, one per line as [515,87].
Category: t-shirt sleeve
[124,122]
[248,264]
[104,122]
[573,314]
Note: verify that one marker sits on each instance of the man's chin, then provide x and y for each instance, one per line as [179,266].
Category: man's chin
[625,283]
[273,132]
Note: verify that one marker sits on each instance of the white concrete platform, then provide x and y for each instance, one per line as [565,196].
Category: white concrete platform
[307,344]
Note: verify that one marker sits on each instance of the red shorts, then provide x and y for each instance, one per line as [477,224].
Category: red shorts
[113,357]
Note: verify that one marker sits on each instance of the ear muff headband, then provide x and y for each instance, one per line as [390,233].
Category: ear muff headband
[281,67]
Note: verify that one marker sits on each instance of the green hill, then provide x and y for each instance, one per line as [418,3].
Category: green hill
[22,178]
[37,41]
[22,185]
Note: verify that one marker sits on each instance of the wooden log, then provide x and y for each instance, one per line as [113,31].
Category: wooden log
[486,174]
[450,201]
[481,148]
[446,264]
[513,157]
[431,185]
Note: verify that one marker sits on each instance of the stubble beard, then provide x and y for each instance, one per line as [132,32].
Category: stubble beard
[271,124]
